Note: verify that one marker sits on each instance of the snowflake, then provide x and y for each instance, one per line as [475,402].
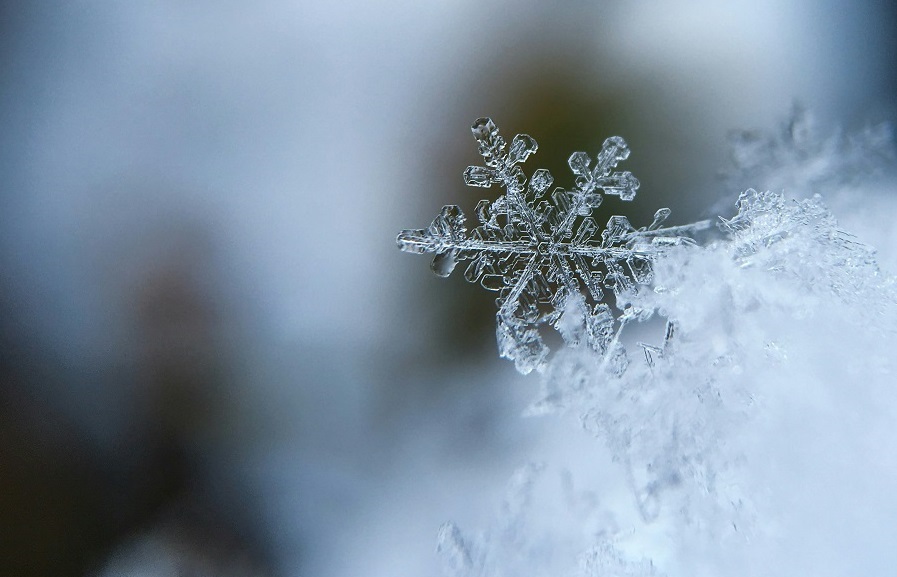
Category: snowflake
[544,254]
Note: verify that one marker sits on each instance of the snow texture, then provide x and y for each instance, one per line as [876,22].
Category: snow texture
[544,254]
[799,157]
[745,440]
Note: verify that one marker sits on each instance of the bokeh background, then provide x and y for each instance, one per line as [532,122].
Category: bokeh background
[214,360]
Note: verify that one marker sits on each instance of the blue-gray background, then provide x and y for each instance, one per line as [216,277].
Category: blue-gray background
[212,351]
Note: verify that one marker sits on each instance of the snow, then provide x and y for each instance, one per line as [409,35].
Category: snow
[751,444]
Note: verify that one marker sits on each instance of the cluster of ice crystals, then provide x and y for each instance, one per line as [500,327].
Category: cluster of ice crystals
[785,308]
[543,252]
[798,228]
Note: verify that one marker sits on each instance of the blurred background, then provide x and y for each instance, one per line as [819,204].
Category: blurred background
[213,358]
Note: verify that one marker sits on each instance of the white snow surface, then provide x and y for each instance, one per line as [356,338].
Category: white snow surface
[757,442]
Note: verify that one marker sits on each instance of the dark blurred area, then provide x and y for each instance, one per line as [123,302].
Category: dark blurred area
[69,502]
[213,360]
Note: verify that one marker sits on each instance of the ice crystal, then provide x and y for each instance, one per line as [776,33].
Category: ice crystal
[798,229]
[687,432]
[784,329]
[544,253]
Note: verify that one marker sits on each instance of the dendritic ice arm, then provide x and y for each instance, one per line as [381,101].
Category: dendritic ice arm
[544,253]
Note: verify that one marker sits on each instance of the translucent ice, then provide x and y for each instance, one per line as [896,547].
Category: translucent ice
[537,252]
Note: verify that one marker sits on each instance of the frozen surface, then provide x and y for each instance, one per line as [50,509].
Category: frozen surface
[749,439]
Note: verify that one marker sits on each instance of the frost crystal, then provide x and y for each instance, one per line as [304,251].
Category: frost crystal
[784,329]
[544,253]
